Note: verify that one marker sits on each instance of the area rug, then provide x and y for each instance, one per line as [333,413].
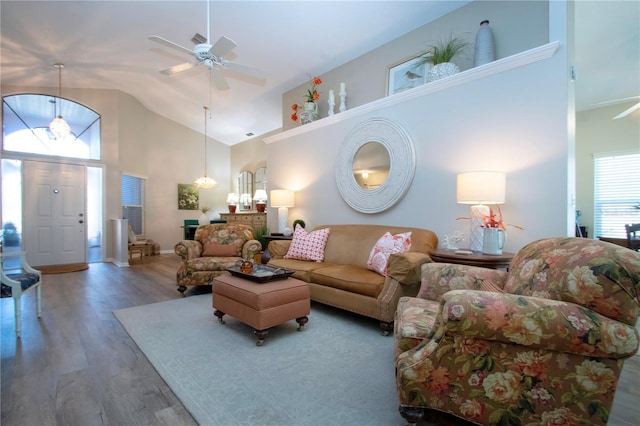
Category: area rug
[338,371]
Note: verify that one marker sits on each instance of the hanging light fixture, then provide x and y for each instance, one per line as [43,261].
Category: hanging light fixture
[58,126]
[205,181]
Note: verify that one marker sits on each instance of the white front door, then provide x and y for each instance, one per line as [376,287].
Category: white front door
[54,213]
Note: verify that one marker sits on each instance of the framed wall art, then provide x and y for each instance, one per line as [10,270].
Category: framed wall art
[188,197]
[406,75]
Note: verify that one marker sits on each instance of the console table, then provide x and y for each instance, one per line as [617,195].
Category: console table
[253,219]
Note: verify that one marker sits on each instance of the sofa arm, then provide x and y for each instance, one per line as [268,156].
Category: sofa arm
[406,267]
[439,278]
[250,248]
[188,249]
[536,323]
[278,248]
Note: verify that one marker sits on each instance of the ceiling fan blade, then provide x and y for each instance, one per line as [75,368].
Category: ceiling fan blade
[218,79]
[627,111]
[178,68]
[171,44]
[253,72]
[223,46]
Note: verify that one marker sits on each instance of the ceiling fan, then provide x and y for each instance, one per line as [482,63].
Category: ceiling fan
[626,111]
[208,55]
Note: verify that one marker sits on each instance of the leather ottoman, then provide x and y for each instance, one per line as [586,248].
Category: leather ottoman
[261,305]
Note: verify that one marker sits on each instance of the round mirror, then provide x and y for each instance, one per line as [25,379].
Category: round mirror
[374,140]
[245,189]
[371,165]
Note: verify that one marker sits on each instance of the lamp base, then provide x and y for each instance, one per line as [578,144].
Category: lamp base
[283,218]
[476,231]
[232,208]
[260,207]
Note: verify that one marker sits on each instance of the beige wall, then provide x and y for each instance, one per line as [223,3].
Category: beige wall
[597,132]
[138,142]
[516,25]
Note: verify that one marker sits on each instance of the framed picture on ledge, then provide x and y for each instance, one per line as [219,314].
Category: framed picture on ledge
[406,75]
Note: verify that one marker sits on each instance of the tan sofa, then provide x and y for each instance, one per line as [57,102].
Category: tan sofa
[343,280]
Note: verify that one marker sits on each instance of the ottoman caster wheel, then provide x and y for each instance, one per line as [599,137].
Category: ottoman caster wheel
[302,321]
[219,314]
[261,335]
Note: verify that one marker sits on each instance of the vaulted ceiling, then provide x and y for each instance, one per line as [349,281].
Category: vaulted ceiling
[105,45]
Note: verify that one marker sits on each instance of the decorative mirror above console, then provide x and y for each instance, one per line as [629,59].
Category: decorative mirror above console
[245,190]
[261,178]
[375,166]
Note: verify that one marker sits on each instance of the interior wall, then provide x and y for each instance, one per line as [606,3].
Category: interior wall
[516,26]
[499,124]
[145,144]
[597,132]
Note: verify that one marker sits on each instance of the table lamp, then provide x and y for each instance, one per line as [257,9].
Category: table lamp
[232,200]
[480,189]
[260,197]
[282,199]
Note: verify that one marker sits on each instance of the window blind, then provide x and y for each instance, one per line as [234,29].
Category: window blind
[616,193]
[133,202]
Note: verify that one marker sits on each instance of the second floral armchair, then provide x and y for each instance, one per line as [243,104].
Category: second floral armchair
[214,248]
[541,344]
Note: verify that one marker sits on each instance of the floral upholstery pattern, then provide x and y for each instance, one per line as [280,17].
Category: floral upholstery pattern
[196,269]
[545,347]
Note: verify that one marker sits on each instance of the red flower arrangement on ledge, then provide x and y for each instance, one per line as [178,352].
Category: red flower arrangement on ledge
[311,96]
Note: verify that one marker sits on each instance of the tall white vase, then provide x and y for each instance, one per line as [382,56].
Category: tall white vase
[485,49]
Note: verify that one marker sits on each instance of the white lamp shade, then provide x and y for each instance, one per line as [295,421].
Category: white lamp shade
[282,198]
[232,198]
[481,188]
[260,196]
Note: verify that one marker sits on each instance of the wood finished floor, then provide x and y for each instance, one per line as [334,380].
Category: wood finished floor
[77,365]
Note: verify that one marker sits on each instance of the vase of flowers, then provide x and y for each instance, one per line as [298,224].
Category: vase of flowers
[204,217]
[309,110]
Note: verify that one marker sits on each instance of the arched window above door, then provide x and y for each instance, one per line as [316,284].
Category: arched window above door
[26,119]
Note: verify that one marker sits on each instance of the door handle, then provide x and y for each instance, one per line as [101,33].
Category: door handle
[81,221]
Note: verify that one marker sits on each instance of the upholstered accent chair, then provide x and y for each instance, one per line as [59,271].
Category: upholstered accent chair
[214,249]
[541,344]
[18,276]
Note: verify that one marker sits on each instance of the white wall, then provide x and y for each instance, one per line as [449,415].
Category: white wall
[597,132]
[139,142]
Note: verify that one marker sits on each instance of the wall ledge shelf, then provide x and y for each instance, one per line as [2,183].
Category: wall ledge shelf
[501,65]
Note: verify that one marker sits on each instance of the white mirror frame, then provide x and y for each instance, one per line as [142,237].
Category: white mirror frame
[402,165]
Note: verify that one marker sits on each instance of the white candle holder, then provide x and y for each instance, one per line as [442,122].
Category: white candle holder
[332,103]
[343,106]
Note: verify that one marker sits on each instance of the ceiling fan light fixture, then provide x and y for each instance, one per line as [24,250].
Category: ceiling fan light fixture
[205,181]
[58,126]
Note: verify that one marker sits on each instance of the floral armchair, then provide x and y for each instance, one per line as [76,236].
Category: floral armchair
[214,249]
[542,344]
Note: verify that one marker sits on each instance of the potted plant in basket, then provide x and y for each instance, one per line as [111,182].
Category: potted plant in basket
[440,56]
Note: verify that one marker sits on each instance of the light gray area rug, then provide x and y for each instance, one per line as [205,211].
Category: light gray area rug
[338,371]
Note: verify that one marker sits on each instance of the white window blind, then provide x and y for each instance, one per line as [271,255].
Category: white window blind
[617,193]
[133,202]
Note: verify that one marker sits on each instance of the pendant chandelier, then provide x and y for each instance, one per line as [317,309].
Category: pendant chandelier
[58,126]
[205,181]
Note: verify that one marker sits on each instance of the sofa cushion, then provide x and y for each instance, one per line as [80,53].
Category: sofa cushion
[386,246]
[302,268]
[354,279]
[308,246]
[221,250]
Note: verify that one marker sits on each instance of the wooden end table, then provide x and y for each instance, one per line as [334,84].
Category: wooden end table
[266,256]
[476,259]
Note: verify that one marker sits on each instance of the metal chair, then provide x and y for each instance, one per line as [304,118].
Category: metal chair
[633,236]
[17,280]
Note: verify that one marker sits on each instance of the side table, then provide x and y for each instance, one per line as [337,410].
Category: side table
[476,259]
[267,239]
